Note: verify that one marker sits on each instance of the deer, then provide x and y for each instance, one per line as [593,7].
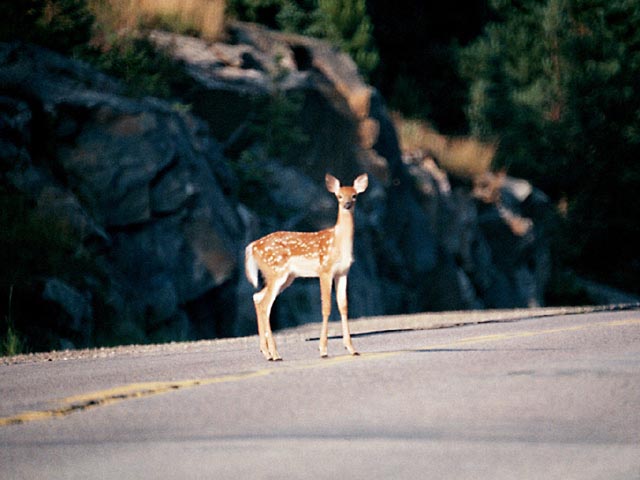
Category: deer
[281,257]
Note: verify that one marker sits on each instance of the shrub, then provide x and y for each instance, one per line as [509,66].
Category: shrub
[61,25]
[11,343]
[135,60]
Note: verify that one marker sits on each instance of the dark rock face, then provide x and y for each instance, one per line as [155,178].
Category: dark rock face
[150,191]
[136,179]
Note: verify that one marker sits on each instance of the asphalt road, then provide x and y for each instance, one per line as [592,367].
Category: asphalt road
[552,397]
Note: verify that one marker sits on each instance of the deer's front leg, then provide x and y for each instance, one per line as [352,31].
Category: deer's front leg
[341,296]
[325,295]
[257,301]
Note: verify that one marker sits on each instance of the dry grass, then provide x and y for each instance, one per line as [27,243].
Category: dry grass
[204,18]
[462,156]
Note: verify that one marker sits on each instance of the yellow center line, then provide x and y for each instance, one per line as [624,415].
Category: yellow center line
[86,401]
[109,396]
[532,333]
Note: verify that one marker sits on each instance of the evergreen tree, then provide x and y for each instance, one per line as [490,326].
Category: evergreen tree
[557,84]
[346,24]
[604,114]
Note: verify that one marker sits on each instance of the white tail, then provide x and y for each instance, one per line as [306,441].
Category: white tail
[327,254]
[250,266]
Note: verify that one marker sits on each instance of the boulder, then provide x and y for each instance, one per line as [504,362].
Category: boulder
[494,233]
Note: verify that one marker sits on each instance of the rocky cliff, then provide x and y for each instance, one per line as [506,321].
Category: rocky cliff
[164,198]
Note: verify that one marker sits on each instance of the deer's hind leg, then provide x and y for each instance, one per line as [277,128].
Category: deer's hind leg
[264,301]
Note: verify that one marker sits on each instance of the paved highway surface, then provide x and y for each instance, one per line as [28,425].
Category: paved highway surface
[547,397]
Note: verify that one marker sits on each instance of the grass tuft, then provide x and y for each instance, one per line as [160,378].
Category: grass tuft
[465,157]
[202,18]
[12,343]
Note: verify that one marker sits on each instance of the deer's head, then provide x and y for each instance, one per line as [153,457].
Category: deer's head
[346,195]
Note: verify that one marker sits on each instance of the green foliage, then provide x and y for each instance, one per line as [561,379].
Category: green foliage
[60,25]
[276,124]
[253,180]
[556,82]
[299,16]
[259,11]
[144,69]
[170,22]
[344,23]
[274,132]
[11,343]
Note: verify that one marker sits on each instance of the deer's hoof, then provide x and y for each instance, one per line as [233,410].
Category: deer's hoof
[351,350]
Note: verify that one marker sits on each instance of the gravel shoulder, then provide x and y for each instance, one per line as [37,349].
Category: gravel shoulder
[308,332]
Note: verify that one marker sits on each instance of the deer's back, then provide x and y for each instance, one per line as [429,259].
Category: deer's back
[302,253]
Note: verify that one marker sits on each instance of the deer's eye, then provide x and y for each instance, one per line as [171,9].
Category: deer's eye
[353,197]
[339,196]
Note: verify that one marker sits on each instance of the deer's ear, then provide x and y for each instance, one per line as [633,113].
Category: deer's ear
[332,183]
[361,183]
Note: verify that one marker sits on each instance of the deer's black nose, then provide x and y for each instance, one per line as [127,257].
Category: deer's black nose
[348,205]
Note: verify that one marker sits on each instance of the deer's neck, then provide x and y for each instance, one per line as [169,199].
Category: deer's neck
[343,233]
